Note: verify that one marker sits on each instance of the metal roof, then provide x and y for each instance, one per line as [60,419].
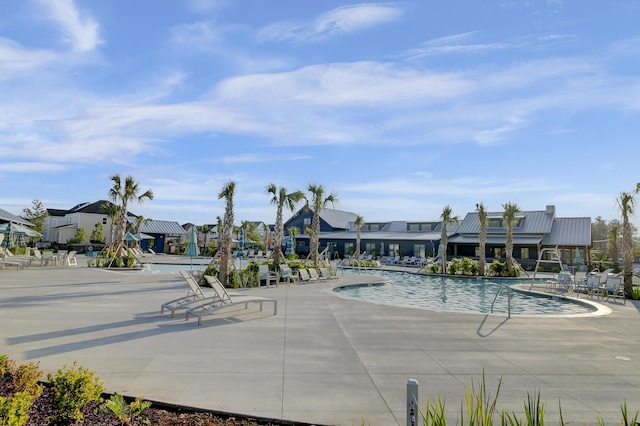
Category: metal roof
[501,240]
[533,222]
[337,218]
[166,227]
[569,231]
[5,216]
[382,235]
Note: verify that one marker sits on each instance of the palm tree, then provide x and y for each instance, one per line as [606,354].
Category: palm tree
[510,218]
[227,193]
[358,224]
[614,233]
[281,198]
[219,231]
[484,221]
[626,203]
[318,202]
[294,231]
[113,212]
[447,219]
[123,194]
[205,230]
[139,221]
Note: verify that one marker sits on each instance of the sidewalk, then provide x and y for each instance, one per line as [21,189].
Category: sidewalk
[323,358]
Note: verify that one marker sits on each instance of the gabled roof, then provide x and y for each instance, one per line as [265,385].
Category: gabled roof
[5,216]
[56,212]
[93,208]
[337,219]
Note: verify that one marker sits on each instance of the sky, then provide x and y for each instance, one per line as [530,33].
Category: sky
[399,108]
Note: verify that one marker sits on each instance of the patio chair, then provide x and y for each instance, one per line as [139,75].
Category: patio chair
[614,287]
[194,293]
[264,274]
[71,258]
[222,299]
[7,256]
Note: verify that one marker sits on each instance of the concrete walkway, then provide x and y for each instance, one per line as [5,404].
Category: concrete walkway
[323,359]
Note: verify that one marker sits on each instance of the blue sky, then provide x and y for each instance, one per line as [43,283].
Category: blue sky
[400,108]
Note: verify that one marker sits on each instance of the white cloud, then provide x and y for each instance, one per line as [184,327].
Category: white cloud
[32,167]
[16,61]
[82,32]
[337,22]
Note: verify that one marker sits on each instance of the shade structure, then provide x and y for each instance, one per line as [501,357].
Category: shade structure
[192,245]
[143,236]
[130,237]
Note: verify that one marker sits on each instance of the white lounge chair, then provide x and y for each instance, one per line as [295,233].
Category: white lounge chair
[313,274]
[304,275]
[210,306]
[71,258]
[327,275]
[194,293]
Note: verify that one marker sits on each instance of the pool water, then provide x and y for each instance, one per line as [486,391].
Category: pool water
[460,294]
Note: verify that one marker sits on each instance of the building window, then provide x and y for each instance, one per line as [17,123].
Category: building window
[68,220]
[307,221]
[497,252]
[54,222]
[524,253]
[394,249]
[349,249]
[104,220]
[370,247]
[419,250]
[373,227]
[413,227]
[495,222]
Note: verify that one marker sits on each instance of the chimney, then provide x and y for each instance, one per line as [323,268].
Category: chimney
[551,210]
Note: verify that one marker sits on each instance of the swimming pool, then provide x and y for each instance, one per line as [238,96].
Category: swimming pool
[461,294]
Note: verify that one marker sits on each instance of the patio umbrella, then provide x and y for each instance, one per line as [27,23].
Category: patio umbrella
[192,246]
[289,250]
[577,259]
[13,231]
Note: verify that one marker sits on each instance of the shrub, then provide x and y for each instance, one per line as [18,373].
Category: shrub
[72,389]
[14,410]
[123,411]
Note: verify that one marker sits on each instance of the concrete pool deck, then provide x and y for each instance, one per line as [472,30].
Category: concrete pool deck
[322,359]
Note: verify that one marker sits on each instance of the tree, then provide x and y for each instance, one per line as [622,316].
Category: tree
[80,236]
[281,198]
[484,221]
[227,192]
[318,202]
[510,218]
[205,230]
[358,224]
[97,235]
[113,212]
[614,234]
[122,193]
[626,203]
[294,231]
[135,228]
[36,215]
[448,219]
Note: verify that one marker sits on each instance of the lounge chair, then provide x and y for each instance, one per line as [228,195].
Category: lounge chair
[210,306]
[286,274]
[194,293]
[327,275]
[264,274]
[304,275]
[313,274]
[9,257]
[589,285]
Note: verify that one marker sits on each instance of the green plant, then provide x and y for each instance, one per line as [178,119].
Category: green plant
[635,294]
[455,266]
[14,410]
[434,268]
[123,411]
[434,413]
[479,405]
[73,388]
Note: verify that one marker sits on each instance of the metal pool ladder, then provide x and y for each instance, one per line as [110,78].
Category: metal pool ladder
[508,299]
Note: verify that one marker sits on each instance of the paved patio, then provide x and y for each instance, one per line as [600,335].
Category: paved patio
[323,359]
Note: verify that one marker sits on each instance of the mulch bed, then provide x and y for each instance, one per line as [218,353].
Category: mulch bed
[43,410]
